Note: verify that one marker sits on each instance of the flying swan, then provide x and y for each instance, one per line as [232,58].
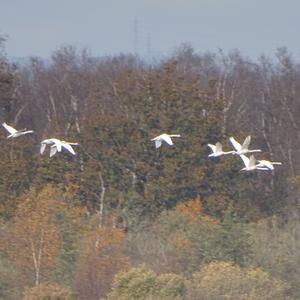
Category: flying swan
[56,146]
[13,133]
[250,164]
[167,138]
[217,150]
[268,164]
[242,149]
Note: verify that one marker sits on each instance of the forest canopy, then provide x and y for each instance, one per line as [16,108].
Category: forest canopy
[121,216]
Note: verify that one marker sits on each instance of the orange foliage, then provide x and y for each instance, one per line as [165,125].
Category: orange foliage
[102,257]
[210,220]
[191,208]
[34,231]
[180,242]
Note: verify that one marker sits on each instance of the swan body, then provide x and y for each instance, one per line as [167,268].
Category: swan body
[167,138]
[217,150]
[250,164]
[56,146]
[268,164]
[242,149]
[13,133]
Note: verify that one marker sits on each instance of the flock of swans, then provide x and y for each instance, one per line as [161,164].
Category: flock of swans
[56,145]
[250,163]
[217,150]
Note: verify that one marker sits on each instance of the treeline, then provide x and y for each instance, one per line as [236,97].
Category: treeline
[122,219]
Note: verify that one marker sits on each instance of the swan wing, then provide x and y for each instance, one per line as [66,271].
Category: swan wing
[157,143]
[252,161]
[236,145]
[43,147]
[10,129]
[212,147]
[246,142]
[57,144]
[68,147]
[53,150]
[167,139]
[245,160]
[218,147]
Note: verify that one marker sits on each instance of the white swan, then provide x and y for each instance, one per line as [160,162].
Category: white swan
[242,149]
[13,133]
[250,164]
[56,146]
[164,137]
[268,164]
[54,142]
[217,150]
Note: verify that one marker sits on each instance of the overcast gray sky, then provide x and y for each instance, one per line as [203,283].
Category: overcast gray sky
[38,27]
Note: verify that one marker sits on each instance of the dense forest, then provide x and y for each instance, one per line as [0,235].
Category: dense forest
[122,220]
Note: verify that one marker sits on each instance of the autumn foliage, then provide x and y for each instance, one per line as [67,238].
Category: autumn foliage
[222,280]
[102,256]
[48,292]
[191,208]
[36,233]
[123,220]
[142,283]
